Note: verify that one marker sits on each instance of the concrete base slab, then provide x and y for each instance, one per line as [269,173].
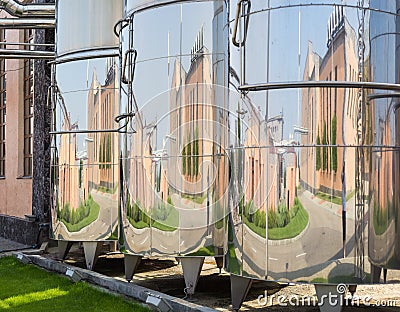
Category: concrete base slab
[330,297]
[131,262]
[92,251]
[63,248]
[240,287]
[191,267]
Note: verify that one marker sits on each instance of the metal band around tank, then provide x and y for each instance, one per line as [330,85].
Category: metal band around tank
[319,84]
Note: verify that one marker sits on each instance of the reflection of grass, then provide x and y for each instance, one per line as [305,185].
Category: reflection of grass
[334,199]
[165,217]
[44,291]
[163,227]
[233,264]
[195,199]
[319,280]
[380,217]
[138,225]
[203,252]
[114,235]
[331,198]
[94,210]
[256,229]
[104,189]
[346,279]
[296,225]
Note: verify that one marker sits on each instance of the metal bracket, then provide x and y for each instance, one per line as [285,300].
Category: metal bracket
[241,6]
[129,53]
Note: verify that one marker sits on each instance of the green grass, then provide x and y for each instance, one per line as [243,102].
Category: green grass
[296,225]
[93,214]
[25,288]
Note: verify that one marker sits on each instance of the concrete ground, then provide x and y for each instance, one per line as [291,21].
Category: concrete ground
[213,290]
[7,245]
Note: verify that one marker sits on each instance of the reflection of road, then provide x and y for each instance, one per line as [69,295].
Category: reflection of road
[98,229]
[321,243]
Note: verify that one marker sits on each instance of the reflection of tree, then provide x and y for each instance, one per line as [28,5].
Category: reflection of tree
[334,163]
[164,216]
[74,216]
[318,155]
[190,156]
[324,149]
[105,152]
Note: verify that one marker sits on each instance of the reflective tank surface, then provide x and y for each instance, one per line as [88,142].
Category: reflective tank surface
[314,157]
[175,159]
[92,26]
[85,138]
[383,112]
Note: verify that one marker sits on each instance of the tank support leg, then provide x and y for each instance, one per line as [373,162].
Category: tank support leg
[375,274]
[352,289]
[131,262]
[220,263]
[330,298]
[92,251]
[240,287]
[191,267]
[63,248]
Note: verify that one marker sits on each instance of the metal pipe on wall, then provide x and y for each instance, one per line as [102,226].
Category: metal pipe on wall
[22,23]
[20,10]
[25,54]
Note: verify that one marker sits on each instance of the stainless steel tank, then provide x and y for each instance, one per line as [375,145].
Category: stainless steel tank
[176,164]
[383,112]
[316,153]
[85,138]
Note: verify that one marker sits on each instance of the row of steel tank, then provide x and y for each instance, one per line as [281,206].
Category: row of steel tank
[264,134]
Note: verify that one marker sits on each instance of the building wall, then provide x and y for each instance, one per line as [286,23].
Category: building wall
[15,190]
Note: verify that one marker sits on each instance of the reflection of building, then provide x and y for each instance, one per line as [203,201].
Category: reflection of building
[277,163]
[194,132]
[68,166]
[282,169]
[254,179]
[190,149]
[330,114]
[102,147]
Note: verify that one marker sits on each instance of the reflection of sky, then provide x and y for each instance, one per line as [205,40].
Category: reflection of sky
[194,17]
[154,69]
[152,28]
[284,48]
